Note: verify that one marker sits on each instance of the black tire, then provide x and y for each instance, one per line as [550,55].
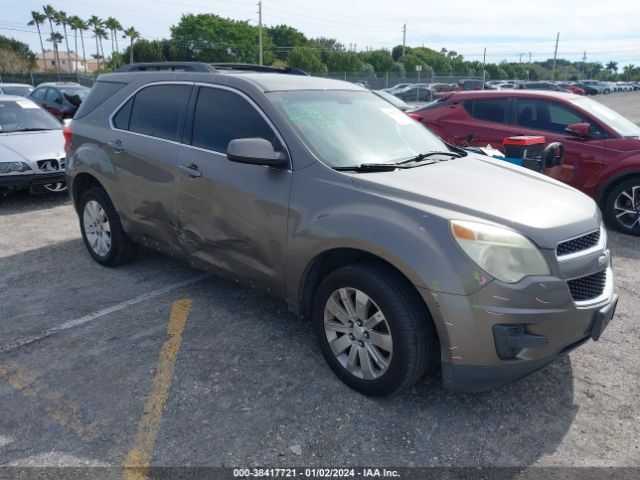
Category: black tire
[414,340]
[122,247]
[625,223]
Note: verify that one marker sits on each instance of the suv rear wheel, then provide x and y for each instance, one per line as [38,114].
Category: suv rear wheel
[622,207]
[373,331]
[102,230]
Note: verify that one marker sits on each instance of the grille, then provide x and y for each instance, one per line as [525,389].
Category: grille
[589,287]
[51,165]
[578,244]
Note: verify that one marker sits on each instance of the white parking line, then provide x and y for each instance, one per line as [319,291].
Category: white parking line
[101,313]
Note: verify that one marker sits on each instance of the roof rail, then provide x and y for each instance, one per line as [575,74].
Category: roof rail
[172,66]
[249,67]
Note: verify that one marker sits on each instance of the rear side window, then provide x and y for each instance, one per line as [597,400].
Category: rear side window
[39,93]
[221,116]
[100,92]
[490,109]
[52,95]
[158,111]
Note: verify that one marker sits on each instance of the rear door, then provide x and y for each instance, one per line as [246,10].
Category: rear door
[144,146]
[583,158]
[489,124]
[233,216]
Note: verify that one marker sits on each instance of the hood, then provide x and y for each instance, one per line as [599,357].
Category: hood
[31,146]
[491,191]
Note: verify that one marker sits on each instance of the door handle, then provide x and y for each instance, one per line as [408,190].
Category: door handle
[191,170]
[116,146]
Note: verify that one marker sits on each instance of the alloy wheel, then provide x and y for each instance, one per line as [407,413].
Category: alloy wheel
[358,333]
[627,207]
[97,228]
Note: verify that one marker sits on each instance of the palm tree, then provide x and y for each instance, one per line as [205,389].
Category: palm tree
[133,35]
[38,19]
[96,24]
[114,27]
[63,19]
[80,26]
[612,67]
[628,71]
[56,38]
[102,35]
[50,13]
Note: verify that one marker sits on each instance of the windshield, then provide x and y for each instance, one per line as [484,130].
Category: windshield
[16,90]
[24,115]
[346,128]
[620,124]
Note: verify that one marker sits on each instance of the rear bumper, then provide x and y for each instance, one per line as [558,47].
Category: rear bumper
[31,179]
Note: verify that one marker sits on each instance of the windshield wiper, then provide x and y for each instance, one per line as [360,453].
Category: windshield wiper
[370,167]
[422,156]
[33,129]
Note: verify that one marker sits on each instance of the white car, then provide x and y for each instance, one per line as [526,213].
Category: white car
[31,147]
[20,89]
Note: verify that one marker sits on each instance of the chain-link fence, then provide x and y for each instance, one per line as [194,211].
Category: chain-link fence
[36,78]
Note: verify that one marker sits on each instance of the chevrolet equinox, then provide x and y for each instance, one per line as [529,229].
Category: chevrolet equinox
[406,254]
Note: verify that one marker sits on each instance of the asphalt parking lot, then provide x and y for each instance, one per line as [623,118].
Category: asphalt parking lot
[158,363]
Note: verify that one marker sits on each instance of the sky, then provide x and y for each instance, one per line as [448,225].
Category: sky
[607,30]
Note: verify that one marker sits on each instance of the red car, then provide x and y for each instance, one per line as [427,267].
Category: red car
[572,88]
[602,148]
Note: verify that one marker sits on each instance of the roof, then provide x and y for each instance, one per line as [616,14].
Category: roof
[60,84]
[51,55]
[509,93]
[274,82]
[15,85]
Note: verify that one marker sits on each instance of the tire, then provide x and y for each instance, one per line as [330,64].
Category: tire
[410,348]
[105,230]
[620,200]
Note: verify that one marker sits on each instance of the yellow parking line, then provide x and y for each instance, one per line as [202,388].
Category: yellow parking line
[62,410]
[138,461]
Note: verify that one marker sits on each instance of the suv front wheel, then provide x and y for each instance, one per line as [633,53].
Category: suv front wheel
[373,331]
[102,230]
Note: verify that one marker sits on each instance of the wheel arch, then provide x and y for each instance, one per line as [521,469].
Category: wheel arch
[81,183]
[613,182]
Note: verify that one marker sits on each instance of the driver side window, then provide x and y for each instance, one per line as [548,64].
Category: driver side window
[546,116]
[221,116]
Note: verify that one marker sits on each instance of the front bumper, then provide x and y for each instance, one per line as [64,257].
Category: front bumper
[542,307]
[31,179]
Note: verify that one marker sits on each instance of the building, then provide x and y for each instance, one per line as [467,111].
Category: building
[65,66]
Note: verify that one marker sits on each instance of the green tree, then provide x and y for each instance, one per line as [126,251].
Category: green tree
[133,35]
[410,62]
[210,38]
[381,60]
[95,23]
[114,27]
[612,67]
[63,19]
[38,19]
[15,56]
[284,38]
[343,62]
[50,13]
[307,59]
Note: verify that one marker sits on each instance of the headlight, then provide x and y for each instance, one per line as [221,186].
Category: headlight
[503,253]
[8,167]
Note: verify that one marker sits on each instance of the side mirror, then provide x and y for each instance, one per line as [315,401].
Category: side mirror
[579,129]
[254,151]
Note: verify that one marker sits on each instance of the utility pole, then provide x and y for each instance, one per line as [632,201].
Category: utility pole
[404,37]
[484,64]
[260,32]
[529,58]
[520,61]
[584,64]
[555,55]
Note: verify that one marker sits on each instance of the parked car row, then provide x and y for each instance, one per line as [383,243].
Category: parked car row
[31,142]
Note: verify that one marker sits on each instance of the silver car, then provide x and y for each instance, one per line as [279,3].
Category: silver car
[405,253]
[31,147]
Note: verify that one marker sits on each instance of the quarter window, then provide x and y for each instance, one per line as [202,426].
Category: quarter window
[221,116]
[157,111]
[490,110]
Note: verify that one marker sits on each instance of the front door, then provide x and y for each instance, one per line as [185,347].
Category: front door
[583,157]
[232,216]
